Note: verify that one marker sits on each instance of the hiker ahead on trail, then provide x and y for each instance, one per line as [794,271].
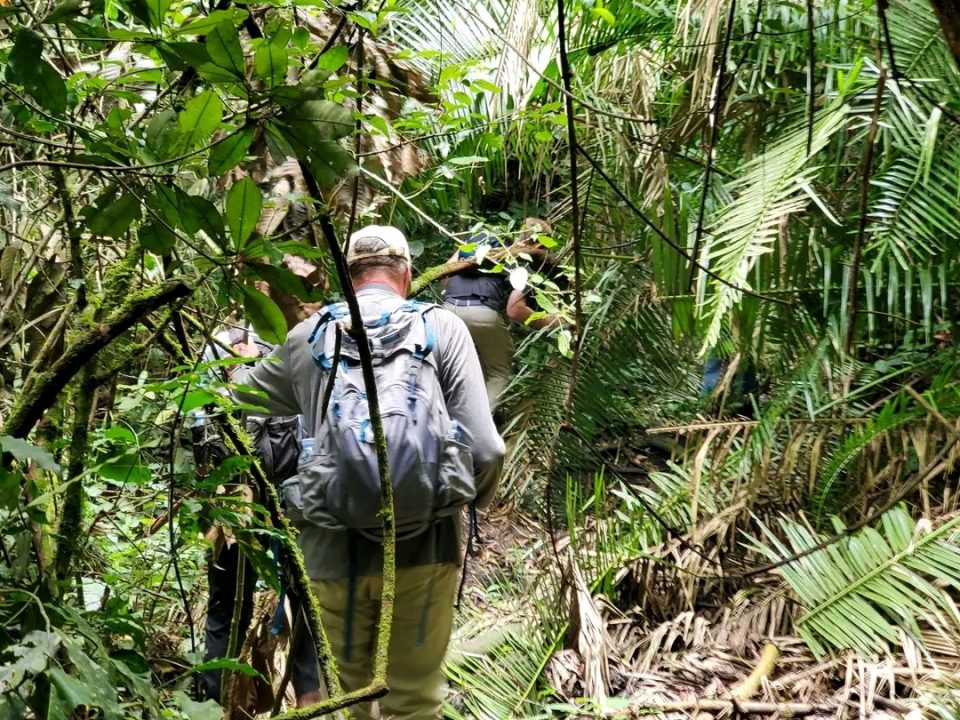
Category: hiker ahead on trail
[444,454]
[484,298]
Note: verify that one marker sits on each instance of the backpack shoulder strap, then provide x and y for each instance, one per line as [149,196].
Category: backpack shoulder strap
[317,338]
[421,352]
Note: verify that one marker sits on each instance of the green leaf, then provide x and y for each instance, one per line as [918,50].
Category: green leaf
[204,25]
[333,59]
[264,315]
[181,55]
[270,64]
[22,450]
[206,218]
[157,237]
[200,119]
[605,15]
[125,468]
[278,276]
[26,66]
[206,710]
[316,121]
[223,44]
[157,10]
[111,218]
[329,163]
[230,151]
[243,207]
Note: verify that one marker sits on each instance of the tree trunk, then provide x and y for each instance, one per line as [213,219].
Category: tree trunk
[948,12]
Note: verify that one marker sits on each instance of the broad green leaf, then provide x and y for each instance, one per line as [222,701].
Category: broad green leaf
[162,131]
[264,315]
[230,151]
[114,217]
[206,710]
[158,10]
[181,55]
[200,119]
[125,468]
[316,121]
[243,206]
[32,655]
[278,276]
[206,218]
[204,25]
[223,44]
[226,664]
[329,163]
[22,450]
[157,237]
[333,59]
[270,64]
[69,9]
[26,66]
[10,490]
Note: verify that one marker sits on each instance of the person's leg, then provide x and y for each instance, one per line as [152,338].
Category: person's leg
[499,360]
[305,675]
[351,627]
[222,580]
[491,336]
[422,621]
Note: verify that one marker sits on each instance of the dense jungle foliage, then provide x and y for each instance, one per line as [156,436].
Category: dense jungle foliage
[765,195]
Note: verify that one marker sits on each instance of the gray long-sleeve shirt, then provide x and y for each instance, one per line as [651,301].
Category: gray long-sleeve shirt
[294,383]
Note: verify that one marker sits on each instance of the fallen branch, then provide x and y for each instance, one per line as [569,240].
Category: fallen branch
[788,709]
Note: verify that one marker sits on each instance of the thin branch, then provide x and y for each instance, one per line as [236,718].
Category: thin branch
[576,228]
[714,120]
[865,170]
[74,234]
[663,236]
[811,68]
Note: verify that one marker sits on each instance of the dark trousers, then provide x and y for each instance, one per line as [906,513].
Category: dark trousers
[222,577]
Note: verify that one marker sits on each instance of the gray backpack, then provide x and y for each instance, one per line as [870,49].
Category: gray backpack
[430,461]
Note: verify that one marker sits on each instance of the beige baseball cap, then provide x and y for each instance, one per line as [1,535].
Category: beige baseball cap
[392,242]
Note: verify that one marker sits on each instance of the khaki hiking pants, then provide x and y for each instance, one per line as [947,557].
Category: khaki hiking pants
[422,621]
[491,335]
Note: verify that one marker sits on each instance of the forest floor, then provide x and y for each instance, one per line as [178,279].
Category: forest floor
[703,664]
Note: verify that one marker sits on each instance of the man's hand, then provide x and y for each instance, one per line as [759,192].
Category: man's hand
[247,350]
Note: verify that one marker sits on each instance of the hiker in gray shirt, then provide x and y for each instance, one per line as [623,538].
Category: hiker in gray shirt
[343,556]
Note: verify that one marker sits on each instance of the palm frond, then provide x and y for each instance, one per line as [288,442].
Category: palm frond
[774,186]
[862,592]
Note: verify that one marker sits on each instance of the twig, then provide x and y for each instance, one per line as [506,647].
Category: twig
[714,119]
[74,235]
[409,203]
[811,67]
[865,170]
[565,77]
[663,236]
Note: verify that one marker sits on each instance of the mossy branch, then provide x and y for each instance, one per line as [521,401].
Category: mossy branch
[41,390]
[359,334]
[439,272]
